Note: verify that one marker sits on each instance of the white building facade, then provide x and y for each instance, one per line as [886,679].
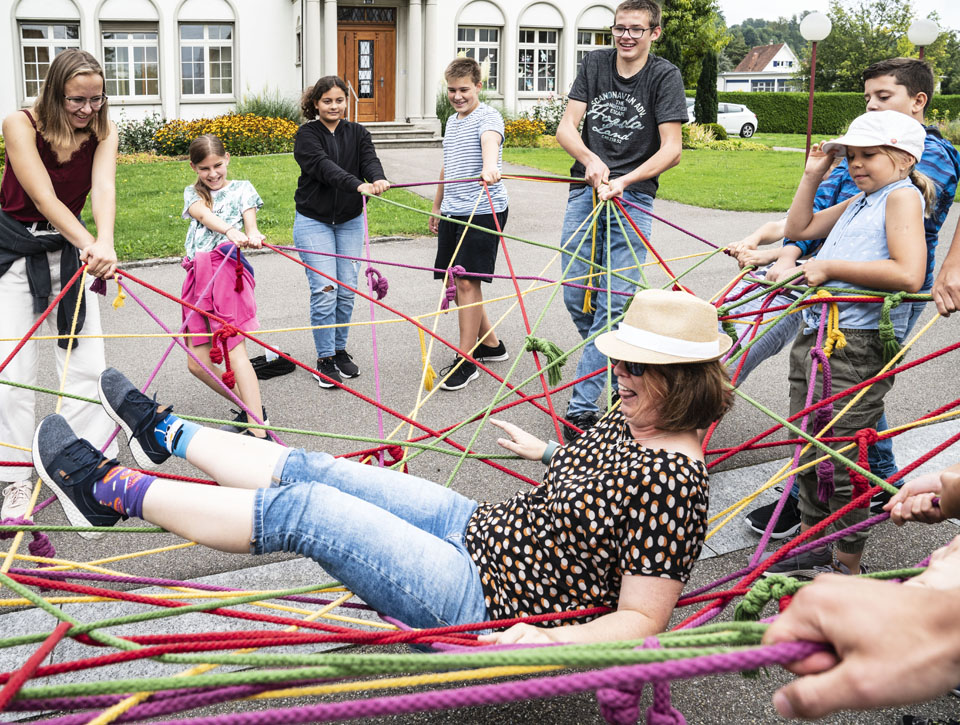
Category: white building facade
[765,68]
[194,58]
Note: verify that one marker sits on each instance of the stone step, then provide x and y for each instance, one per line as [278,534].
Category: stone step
[410,132]
[408,143]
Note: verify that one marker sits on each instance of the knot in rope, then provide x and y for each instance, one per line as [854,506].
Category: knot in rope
[429,375]
[121,297]
[220,354]
[619,707]
[823,416]
[39,546]
[451,292]
[662,711]
[865,437]
[552,352]
[891,346]
[835,338]
[378,283]
[99,286]
[773,586]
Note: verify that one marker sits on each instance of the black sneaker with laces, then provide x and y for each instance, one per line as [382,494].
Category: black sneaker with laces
[878,501]
[267,369]
[787,525]
[584,421]
[345,364]
[136,414]
[240,416]
[461,376]
[486,353]
[328,367]
[70,466]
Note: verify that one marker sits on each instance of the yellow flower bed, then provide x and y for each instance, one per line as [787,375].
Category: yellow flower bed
[523,132]
[242,135]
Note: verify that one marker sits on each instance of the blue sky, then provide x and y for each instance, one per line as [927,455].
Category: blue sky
[736,11]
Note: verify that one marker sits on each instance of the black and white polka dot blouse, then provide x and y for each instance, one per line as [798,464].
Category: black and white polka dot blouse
[607,507]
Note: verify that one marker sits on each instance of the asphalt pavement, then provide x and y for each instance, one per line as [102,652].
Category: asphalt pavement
[295,401]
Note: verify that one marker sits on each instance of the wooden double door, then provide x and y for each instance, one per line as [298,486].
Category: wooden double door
[367,59]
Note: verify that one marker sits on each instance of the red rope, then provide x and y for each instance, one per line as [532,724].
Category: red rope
[646,241]
[16,679]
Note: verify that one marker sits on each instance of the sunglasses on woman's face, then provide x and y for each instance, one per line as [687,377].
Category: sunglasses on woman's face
[636,369]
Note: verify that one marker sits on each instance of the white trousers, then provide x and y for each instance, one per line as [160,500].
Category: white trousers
[17,406]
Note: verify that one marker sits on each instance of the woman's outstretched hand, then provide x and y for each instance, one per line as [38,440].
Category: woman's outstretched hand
[520,442]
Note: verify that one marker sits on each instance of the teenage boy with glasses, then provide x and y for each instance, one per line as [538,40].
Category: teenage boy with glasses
[632,106]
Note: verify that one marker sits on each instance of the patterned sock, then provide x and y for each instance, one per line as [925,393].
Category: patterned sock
[123,489]
[174,434]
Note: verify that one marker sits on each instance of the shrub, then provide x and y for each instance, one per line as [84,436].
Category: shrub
[736,144]
[523,132]
[444,108]
[143,157]
[549,111]
[705,103]
[242,135]
[269,104]
[950,130]
[719,132]
[695,135]
[138,136]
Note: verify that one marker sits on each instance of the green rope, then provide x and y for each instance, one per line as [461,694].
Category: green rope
[891,346]
[773,586]
[553,353]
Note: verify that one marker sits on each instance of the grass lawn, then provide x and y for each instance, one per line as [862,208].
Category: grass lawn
[734,180]
[150,199]
[789,140]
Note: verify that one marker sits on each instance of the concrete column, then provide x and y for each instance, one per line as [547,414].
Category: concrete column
[567,60]
[415,61]
[329,38]
[508,63]
[432,70]
[311,29]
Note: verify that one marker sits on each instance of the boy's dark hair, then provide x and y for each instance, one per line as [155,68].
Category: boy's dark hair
[308,101]
[650,7]
[463,68]
[914,74]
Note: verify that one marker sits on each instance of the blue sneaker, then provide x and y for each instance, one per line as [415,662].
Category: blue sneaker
[136,414]
[70,466]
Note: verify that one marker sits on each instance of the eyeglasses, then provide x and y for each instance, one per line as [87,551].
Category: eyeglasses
[75,103]
[636,369]
[620,30]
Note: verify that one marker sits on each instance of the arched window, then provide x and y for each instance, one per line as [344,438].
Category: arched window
[45,28]
[206,36]
[479,31]
[593,30]
[538,48]
[131,52]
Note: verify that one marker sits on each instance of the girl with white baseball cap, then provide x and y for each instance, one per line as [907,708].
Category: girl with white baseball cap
[874,240]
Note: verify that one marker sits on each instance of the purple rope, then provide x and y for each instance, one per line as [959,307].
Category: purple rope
[373,331]
[450,293]
[670,224]
[624,677]
[530,278]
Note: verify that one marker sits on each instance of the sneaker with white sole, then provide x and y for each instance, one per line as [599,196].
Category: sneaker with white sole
[136,414]
[240,416]
[788,523]
[70,466]
[488,353]
[460,377]
[807,564]
[327,367]
[16,499]
[345,364]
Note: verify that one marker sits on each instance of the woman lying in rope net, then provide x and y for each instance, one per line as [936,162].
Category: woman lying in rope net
[617,523]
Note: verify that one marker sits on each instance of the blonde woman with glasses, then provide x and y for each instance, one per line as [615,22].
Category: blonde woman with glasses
[58,152]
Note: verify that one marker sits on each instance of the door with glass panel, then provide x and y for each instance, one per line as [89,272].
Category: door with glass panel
[366,59]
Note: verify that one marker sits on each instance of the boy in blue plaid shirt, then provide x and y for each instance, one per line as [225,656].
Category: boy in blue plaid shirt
[897,84]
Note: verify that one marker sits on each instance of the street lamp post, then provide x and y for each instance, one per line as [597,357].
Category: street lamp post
[922,33]
[814,27]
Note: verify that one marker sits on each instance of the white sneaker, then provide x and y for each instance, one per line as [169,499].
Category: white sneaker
[16,498]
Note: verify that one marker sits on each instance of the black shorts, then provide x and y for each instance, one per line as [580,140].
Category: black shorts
[478,252]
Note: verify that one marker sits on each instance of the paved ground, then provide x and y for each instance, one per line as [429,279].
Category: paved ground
[295,401]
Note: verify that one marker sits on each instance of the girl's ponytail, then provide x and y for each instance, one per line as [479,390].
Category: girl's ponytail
[200,148]
[927,189]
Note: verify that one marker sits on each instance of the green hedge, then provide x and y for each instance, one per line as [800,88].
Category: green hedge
[832,112]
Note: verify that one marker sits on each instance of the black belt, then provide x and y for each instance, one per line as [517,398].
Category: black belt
[43,227]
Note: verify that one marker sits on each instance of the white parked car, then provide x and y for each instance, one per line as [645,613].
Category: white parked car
[734,117]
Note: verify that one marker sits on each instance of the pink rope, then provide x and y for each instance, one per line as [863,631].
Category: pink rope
[373,329]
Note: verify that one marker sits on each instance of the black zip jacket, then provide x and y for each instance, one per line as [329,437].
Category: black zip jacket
[332,166]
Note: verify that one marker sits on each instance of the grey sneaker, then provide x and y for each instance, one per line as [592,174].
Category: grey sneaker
[136,414]
[836,567]
[805,565]
[16,499]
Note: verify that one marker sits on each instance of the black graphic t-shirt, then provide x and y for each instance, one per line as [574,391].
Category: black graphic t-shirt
[620,125]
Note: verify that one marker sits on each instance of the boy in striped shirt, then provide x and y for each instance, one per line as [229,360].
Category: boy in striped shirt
[472,145]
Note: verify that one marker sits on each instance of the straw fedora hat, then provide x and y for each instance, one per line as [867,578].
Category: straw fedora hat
[663,327]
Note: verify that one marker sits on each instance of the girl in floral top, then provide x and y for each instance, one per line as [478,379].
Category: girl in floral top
[217,209]
[615,527]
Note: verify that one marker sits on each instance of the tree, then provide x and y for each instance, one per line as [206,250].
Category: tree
[690,29]
[705,105]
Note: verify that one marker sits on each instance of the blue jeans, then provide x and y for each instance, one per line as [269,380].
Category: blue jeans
[334,305]
[394,540]
[579,207]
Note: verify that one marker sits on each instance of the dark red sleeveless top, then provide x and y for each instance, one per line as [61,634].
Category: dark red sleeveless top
[71,180]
